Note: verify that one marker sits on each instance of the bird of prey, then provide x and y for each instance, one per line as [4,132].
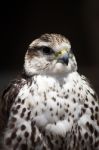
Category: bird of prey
[50,106]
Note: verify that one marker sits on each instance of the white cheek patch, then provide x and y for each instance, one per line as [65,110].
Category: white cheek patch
[35,65]
[28,68]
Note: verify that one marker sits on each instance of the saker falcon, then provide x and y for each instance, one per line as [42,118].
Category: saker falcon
[51,106]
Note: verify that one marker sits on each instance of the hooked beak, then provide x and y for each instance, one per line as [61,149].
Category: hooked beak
[62,57]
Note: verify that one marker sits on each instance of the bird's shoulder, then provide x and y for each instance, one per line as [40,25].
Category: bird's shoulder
[7,97]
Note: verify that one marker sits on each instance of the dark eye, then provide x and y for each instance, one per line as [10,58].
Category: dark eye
[47,50]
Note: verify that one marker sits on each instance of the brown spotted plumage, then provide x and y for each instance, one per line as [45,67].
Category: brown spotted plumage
[51,106]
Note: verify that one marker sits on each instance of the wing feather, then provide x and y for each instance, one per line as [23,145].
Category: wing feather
[7,98]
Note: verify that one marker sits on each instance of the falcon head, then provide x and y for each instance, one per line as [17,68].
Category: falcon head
[50,55]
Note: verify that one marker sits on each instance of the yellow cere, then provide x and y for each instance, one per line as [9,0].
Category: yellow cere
[60,53]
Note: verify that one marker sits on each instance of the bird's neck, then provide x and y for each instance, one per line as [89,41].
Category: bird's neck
[57,78]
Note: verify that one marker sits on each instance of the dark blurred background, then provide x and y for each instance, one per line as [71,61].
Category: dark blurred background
[21,22]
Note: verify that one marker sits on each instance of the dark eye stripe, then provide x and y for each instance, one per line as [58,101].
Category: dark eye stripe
[34,48]
[46,50]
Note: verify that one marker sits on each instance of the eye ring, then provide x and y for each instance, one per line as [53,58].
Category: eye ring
[47,50]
